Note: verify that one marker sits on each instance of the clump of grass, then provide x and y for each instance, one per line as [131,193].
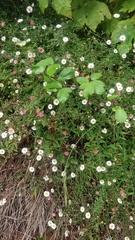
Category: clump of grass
[66,169]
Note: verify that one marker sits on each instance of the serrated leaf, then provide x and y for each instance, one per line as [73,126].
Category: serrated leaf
[95,76]
[82,80]
[98,86]
[52,69]
[89,90]
[63,94]
[44,63]
[124,27]
[92,87]
[53,85]
[128,6]
[66,74]
[85,85]
[62,7]
[120,115]
[38,70]
[43,4]
[91,14]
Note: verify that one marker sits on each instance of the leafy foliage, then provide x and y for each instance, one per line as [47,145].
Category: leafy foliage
[128,6]
[43,4]
[62,7]
[126,28]
[91,14]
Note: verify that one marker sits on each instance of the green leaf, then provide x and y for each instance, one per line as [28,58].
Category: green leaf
[89,90]
[95,76]
[62,7]
[92,87]
[113,97]
[120,115]
[123,48]
[63,94]
[66,74]
[82,80]
[91,13]
[98,86]
[47,79]
[45,62]
[53,85]
[128,6]
[52,69]
[127,28]
[38,69]
[43,4]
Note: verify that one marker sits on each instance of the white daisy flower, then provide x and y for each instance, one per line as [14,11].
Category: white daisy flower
[91,65]
[116,15]
[112,226]
[28,71]
[65,39]
[29,9]
[122,38]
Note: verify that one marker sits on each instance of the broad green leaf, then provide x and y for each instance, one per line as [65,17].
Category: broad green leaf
[82,80]
[38,70]
[85,85]
[43,4]
[92,87]
[62,7]
[89,90]
[52,69]
[113,97]
[123,48]
[127,28]
[63,94]
[128,6]
[45,62]
[91,13]
[66,74]
[53,85]
[98,86]
[95,76]
[120,115]
[47,79]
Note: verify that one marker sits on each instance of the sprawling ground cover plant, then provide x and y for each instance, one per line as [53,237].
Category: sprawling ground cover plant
[67,123]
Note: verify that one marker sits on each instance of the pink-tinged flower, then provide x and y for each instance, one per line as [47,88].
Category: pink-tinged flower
[64,132]
[66,153]
[41,50]
[32,97]
[39,141]
[122,192]
[131,80]
[2,24]
[96,151]
[118,228]
[101,104]
[23,112]
[31,22]
[39,77]
[40,114]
